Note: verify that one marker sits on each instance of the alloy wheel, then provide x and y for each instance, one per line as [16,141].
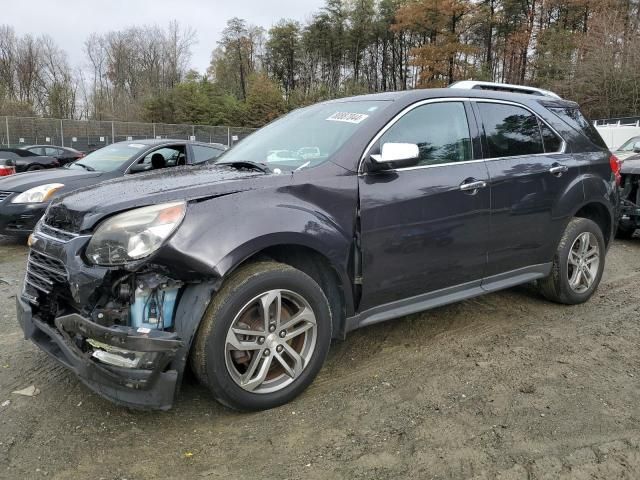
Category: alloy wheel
[270,341]
[583,262]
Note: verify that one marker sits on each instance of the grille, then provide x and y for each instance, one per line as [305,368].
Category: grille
[43,272]
[55,233]
[4,195]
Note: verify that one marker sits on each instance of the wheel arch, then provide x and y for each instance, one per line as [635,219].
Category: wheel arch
[333,279]
[601,214]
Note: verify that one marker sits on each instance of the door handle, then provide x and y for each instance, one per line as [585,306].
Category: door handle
[558,170]
[473,186]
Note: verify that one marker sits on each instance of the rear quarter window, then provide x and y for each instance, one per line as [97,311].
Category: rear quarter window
[203,154]
[575,119]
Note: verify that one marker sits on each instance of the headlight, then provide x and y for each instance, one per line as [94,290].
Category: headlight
[38,194]
[134,234]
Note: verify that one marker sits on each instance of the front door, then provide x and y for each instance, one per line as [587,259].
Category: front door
[425,228]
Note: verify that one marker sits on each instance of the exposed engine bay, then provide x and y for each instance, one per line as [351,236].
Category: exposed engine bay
[629,199]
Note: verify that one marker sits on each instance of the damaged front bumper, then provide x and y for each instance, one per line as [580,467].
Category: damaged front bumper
[151,387]
[85,318]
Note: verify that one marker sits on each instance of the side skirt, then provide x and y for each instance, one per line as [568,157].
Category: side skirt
[448,295]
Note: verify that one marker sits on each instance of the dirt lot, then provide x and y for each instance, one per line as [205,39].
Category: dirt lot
[503,386]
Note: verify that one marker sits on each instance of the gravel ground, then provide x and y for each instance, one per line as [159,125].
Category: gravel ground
[502,386]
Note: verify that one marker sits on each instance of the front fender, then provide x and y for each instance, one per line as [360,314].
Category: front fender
[218,234]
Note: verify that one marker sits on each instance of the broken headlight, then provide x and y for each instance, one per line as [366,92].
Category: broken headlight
[121,358]
[134,234]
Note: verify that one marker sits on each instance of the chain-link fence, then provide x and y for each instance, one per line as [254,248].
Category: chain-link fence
[89,135]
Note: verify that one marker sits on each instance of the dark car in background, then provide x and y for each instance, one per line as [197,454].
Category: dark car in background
[25,161]
[63,154]
[384,205]
[24,198]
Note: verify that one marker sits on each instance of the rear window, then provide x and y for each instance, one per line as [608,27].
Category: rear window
[574,117]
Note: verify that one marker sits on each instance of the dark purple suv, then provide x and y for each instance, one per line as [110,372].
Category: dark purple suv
[336,216]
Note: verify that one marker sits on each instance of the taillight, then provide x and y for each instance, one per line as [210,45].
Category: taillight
[616,164]
[6,171]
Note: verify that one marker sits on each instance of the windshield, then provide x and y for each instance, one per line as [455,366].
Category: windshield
[628,145]
[109,158]
[306,137]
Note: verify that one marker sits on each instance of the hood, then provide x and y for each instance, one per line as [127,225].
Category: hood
[623,154]
[81,209]
[71,179]
[631,165]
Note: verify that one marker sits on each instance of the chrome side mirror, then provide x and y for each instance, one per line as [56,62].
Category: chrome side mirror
[397,155]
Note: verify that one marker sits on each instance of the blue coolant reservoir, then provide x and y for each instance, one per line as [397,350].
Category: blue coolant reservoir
[154,309]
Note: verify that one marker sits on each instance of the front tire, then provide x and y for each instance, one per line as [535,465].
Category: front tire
[263,338]
[577,265]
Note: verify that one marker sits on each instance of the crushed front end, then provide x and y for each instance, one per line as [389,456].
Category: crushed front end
[629,198]
[115,327]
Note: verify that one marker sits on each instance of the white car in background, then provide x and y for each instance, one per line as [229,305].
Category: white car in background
[628,149]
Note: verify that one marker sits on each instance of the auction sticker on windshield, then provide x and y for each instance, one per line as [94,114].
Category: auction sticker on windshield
[348,117]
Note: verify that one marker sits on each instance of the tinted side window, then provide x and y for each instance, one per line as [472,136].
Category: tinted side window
[510,130]
[440,130]
[574,118]
[552,143]
[202,154]
[172,156]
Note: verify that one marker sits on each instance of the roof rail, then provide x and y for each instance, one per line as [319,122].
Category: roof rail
[502,87]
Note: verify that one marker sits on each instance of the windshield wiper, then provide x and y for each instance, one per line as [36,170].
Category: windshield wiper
[304,165]
[86,167]
[248,164]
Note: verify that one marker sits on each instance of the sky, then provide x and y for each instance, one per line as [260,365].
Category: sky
[70,22]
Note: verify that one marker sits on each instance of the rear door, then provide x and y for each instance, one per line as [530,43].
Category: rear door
[55,152]
[422,228]
[530,170]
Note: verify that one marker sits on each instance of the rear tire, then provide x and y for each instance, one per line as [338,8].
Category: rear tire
[250,327]
[577,265]
[33,168]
